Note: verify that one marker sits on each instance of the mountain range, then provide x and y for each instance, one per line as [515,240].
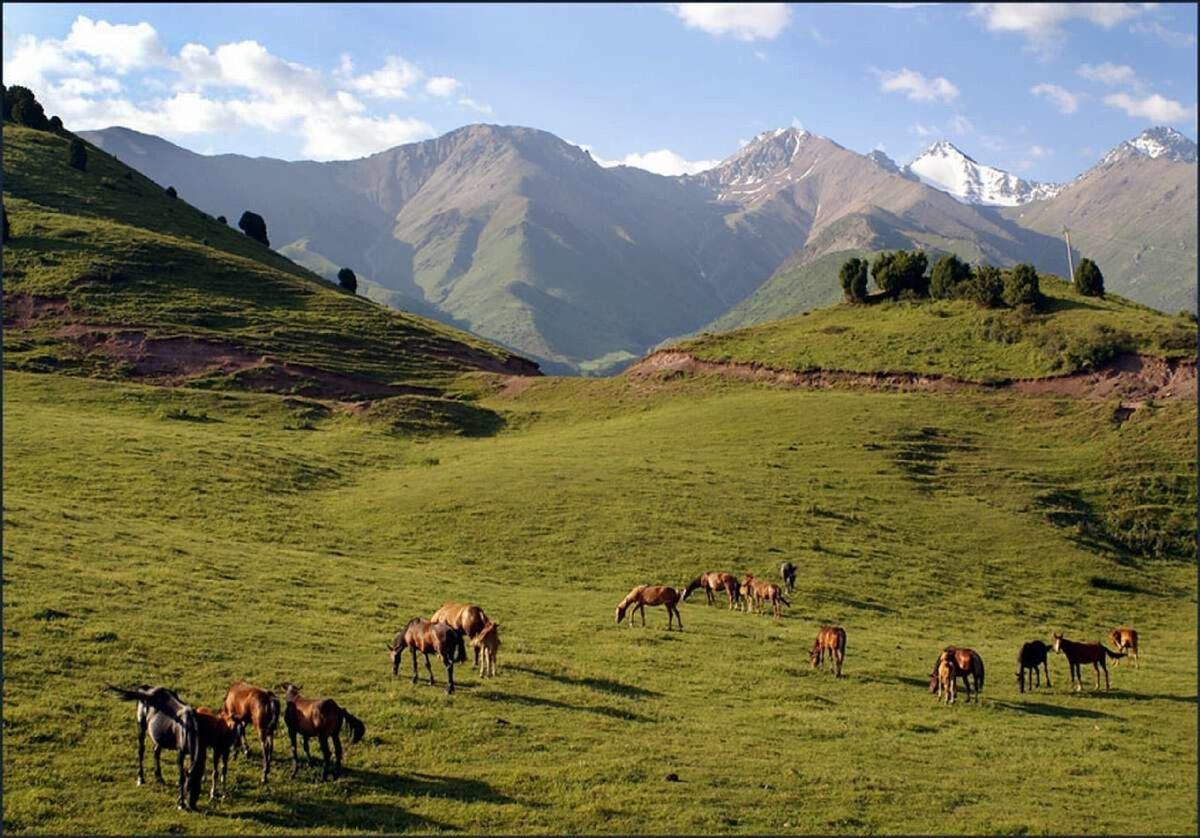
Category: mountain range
[524,239]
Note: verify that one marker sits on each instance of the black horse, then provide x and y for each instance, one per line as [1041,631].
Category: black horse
[1032,655]
[788,571]
[172,725]
[421,635]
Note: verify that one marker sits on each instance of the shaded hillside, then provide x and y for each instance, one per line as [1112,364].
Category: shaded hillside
[108,275]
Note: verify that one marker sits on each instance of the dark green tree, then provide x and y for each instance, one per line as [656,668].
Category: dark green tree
[222,219]
[4,217]
[56,125]
[881,271]
[1021,286]
[1088,280]
[171,193]
[28,111]
[77,155]
[949,278]
[987,287]
[252,224]
[901,271]
[348,280]
[853,275]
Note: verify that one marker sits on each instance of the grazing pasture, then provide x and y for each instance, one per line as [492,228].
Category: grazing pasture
[141,547]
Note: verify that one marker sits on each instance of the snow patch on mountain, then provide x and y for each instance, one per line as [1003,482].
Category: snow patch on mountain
[1156,142]
[943,166]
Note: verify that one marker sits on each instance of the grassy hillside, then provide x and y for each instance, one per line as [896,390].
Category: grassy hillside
[916,521]
[107,275]
[956,338]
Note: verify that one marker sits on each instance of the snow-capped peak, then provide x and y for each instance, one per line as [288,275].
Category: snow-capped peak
[945,167]
[1156,142]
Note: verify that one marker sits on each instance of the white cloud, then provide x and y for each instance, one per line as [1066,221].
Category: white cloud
[1042,23]
[442,86]
[1063,99]
[338,137]
[122,47]
[743,143]
[1167,36]
[916,86]
[760,55]
[746,22]
[479,107]
[1038,151]
[391,81]
[1154,107]
[797,124]
[666,162]
[1108,73]
[959,124]
[924,130]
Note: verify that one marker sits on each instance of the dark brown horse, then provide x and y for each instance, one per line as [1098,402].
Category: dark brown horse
[219,732]
[711,583]
[1032,655]
[173,726]
[787,570]
[644,595]
[967,665]
[831,639]
[1126,640]
[248,704]
[423,636]
[322,718]
[1081,653]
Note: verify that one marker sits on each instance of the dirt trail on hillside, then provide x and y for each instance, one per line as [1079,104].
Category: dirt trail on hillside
[1133,378]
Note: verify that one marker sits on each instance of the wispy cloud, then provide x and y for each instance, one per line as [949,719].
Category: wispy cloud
[1042,23]
[1062,99]
[744,21]
[1154,107]
[1167,36]
[1109,74]
[916,86]
[478,107]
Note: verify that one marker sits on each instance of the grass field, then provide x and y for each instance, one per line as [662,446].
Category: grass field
[191,537]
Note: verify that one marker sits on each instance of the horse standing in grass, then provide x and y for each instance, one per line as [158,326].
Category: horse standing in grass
[322,718]
[831,639]
[246,703]
[1032,655]
[1126,640]
[467,618]
[762,591]
[423,636]
[219,732]
[644,595]
[713,582]
[968,665]
[1081,653]
[788,571]
[489,641]
[172,725]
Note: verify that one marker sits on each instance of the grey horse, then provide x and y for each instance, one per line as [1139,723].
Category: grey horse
[172,725]
[788,571]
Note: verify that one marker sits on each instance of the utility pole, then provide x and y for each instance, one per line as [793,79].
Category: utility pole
[1070,260]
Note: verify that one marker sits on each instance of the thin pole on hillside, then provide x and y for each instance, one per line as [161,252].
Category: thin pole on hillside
[1070,260]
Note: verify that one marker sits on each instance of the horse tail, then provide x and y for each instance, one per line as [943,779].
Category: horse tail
[462,648]
[357,728]
[979,660]
[273,713]
[1112,654]
[784,601]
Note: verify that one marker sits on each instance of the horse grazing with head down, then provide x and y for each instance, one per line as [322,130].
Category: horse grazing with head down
[644,595]
[488,641]
[423,636]
[467,618]
[788,571]
[711,583]
[172,725]
[967,664]
[1032,655]
[1126,640]
[322,718]
[248,704]
[1081,653]
[831,639]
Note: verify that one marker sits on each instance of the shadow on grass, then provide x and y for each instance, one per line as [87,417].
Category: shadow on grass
[301,815]
[1117,694]
[533,701]
[1055,710]
[602,684]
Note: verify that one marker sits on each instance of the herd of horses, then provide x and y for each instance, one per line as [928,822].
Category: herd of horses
[193,732]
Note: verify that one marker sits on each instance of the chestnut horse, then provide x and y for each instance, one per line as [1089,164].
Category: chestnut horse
[322,718]
[1126,640]
[1081,653]
[219,732]
[247,703]
[762,591]
[1032,655]
[644,595]
[831,639]
[467,618]
[489,641]
[967,665]
[713,582]
[947,674]
[423,636]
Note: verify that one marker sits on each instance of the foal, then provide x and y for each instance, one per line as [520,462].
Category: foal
[947,674]
[967,665]
[1125,639]
[644,595]
[489,641]
[247,703]
[322,718]
[831,639]
[171,725]
[1081,653]
[219,732]
[1032,655]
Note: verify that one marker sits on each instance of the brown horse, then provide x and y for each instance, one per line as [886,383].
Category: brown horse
[1032,655]
[322,718]
[947,674]
[247,703]
[968,665]
[489,641]
[762,591]
[467,618]
[1081,653]
[713,582]
[644,595]
[424,636]
[219,732]
[1126,640]
[831,639]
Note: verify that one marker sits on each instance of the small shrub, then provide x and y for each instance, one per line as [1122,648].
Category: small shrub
[1088,280]
[1021,286]
[77,155]
[171,193]
[23,108]
[853,276]
[986,288]
[949,278]
[347,280]
[252,224]
[222,220]
[900,271]
[56,125]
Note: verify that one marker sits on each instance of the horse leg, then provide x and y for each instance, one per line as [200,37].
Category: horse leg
[212,794]
[158,777]
[1046,666]
[324,742]
[429,669]
[295,753]
[414,657]
[182,778]
[838,657]
[307,755]
[267,740]
[449,677]
[141,777]
[337,756]
[1103,664]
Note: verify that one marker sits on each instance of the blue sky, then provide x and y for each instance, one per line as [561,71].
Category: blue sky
[1040,89]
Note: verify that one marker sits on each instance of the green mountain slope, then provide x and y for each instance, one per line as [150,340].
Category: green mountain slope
[107,275]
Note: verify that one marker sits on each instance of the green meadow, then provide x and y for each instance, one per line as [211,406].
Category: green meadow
[190,537]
